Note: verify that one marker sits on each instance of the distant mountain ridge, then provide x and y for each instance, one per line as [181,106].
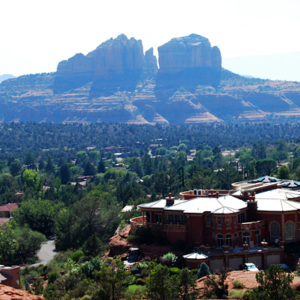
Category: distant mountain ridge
[283,66]
[6,76]
[118,82]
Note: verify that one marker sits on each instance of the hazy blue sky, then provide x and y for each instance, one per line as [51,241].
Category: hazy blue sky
[37,34]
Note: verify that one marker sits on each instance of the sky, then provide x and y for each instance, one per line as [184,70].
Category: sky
[36,34]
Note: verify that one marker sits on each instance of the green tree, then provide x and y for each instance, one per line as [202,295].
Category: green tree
[161,286]
[187,283]
[15,167]
[81,157]
[226,176]
[101,166]
[39,215]
[259,150]
[8,246]
[94,155]
[49,166]
[89,169]
[147,164]
[64,173]
[265,166]
[113,280]
[297,173]
[284,172]
[32,179]
[29,160]
[274,284]
[215,286]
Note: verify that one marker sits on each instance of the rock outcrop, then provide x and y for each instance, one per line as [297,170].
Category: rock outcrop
[116,65]
[117,82]
[150,64]
[188,61]
[73,73]
[9,293]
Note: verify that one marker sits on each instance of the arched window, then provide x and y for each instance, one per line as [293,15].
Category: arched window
[289,230]
[246,238]
[228,240]
[220,240]
[274,231]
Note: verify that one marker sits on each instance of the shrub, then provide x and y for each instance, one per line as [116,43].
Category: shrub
[203,270]
[53,275]
[50,292]
[37,286]
[238,285]
[77,255]
[236,294]
[169,259]
[174,271]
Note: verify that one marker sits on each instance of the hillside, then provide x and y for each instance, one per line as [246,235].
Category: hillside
[5,76]
[117,82]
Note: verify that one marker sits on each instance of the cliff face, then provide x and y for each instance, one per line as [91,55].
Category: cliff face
[193,51]
[188,61]
[150,63]
[117,82]
[73,73]
[116,65]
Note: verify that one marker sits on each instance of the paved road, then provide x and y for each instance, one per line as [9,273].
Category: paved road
[46,253]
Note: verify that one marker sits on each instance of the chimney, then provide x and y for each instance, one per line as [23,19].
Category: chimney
[252,208]
[170,200]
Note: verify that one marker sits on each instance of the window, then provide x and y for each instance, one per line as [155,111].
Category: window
[219,220]
[241,218]
[228,223]
[235,221]
[157,218]
[275,231]
[184,219]
[220,240]
[246,238]
[208,220]
[170,219]
[289,230]
[229,240]
[177,219]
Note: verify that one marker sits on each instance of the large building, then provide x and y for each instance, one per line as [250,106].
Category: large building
[250,223]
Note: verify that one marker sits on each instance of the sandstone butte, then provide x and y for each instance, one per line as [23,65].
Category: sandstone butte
[9,293]
[119,82]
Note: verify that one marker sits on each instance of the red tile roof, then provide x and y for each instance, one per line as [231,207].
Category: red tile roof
[9,206]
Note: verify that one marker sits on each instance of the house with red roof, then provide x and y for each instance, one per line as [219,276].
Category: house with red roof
[5,212]
[229,228]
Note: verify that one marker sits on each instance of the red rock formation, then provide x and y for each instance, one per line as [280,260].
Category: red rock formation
[9,293]
[193,51]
